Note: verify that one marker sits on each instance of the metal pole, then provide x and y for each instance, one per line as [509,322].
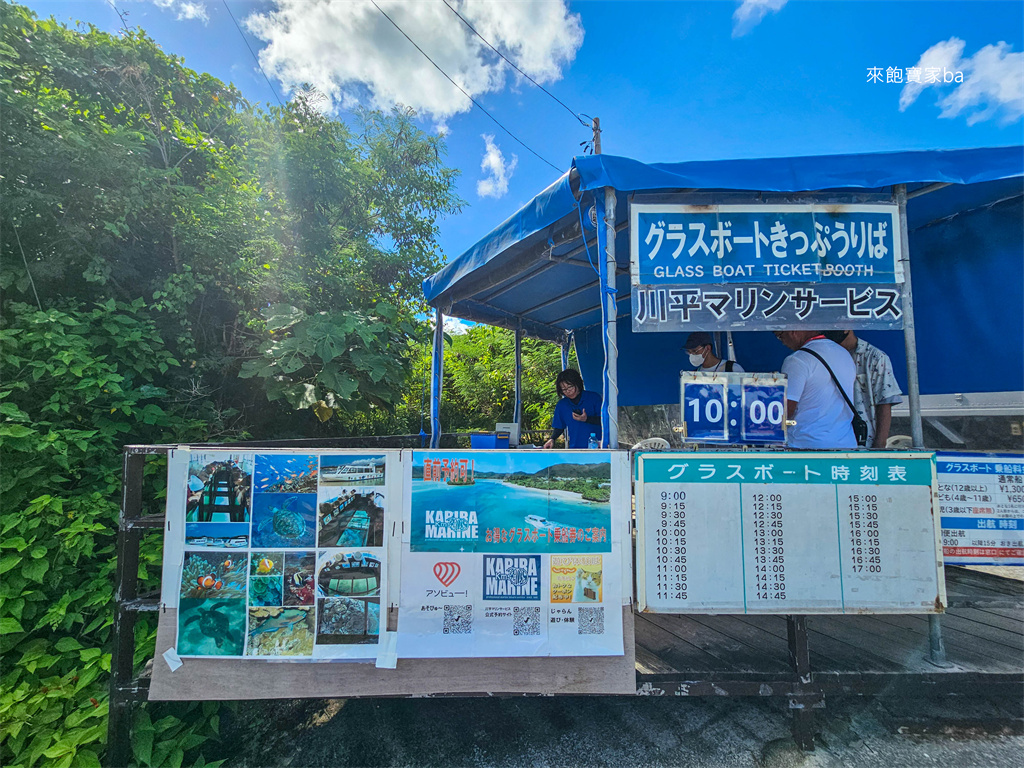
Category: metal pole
[596,126]
[610,432]
[436,378]
[909,330]
[518,410]
[565,354]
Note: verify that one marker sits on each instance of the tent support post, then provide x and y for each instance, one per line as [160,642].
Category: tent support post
[565,353]
[606,262]
[517,414]
[436,378]
[909,329]
[936,648]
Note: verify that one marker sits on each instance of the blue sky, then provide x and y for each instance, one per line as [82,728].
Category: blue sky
[670,81]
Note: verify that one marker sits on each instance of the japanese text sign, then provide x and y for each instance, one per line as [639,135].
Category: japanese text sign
[787,533]
[981,500]
[756,266]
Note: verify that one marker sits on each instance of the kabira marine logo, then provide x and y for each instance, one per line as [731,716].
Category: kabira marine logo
[511,578]
[451,524]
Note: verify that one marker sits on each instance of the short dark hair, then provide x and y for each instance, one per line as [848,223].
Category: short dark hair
[836,336]
[568,376]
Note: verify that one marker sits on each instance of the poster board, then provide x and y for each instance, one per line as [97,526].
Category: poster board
[335,553]
[981,501]
[788,533]
[514,553]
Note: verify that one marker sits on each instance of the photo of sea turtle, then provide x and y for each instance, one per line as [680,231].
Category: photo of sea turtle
[209,627]
[284,520]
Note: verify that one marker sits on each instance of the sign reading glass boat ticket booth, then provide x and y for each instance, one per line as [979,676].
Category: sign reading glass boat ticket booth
[788,533]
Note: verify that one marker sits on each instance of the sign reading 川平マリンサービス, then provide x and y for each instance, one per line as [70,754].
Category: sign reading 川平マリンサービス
[765,266]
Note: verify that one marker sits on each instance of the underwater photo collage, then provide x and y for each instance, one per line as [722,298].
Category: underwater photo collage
[284,555]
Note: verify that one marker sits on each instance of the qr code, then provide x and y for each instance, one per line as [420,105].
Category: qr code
[591,620]
[527,621]
[458,619]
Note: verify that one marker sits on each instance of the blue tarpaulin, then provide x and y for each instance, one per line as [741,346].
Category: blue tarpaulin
[966,248]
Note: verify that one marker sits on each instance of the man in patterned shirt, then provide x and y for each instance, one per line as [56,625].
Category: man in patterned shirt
[875,390]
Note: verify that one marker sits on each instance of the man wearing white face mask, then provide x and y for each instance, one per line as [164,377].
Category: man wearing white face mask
[702,355]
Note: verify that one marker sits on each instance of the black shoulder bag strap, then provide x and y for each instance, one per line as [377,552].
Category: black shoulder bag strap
[859,425]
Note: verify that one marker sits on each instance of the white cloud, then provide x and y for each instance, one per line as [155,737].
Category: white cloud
[185,9]
[454,326]
[348,50]
[751,12]
[992,87]
[495,183]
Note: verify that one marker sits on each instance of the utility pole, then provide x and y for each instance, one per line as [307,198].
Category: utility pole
[596,125]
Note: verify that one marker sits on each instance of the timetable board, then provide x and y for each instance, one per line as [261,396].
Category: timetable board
[788,533]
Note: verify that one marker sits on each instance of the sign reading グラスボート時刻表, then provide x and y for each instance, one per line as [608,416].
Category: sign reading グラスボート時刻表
[787,533]
[765,266]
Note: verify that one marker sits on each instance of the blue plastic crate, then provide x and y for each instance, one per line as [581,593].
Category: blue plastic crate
[485,440]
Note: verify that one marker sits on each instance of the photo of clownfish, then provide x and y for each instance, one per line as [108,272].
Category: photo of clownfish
[212,575]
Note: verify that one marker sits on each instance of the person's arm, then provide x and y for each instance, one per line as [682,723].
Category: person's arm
[791,409]
[551,441]
[883,420]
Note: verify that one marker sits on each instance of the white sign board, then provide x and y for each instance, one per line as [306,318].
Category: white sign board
[787,533]
[514,553]
[981,499]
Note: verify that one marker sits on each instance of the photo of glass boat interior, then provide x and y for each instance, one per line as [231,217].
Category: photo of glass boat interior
[351,575]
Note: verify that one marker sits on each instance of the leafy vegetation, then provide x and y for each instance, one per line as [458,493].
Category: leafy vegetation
[183,266]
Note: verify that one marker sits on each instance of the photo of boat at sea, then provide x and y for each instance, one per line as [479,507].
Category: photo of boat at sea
[352,470]
[550,502]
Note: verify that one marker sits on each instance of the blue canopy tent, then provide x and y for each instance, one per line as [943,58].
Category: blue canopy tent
[963,217]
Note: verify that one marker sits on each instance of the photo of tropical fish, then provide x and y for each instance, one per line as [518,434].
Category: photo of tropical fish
[280,632]
[537,502]
[219,487]
[214,575]
[299,578]
[284,520]
[351,517]
[217,535]
[210,627]
[266,590]
[286,473]
[348,574]
[352,470]
[347,620]
[263,563]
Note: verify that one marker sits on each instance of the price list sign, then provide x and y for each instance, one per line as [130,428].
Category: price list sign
[981,499]
[788,533]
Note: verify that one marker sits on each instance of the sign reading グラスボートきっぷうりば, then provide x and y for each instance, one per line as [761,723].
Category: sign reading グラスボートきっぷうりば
[765,266]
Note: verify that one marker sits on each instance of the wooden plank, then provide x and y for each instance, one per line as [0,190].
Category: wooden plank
[961,648]
[732,652]
[1014,615]
[751,631]
[648,663]
[965,580]
[675,648]
[233,679]
[970,622]
[887,650]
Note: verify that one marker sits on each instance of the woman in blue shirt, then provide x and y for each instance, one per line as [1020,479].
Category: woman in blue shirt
[578,413]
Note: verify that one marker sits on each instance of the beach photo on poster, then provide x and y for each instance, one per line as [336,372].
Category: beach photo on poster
[511,502]
[284,520]
[350,517]
[213,575]
[210,627]
[285,473]
[347,620]
[352,470]
[280,632]
[219,487]
[263,563]
[266,591]
[217,535]
[299,578]
[348,574]
[576,578]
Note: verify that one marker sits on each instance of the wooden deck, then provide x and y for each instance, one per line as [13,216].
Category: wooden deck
[983,632]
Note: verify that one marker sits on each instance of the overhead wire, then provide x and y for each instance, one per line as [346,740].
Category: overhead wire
[579,116]
[477,104]
[251,51]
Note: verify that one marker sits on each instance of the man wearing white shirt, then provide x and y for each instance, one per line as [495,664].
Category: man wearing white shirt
[701,353]
[812,397]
